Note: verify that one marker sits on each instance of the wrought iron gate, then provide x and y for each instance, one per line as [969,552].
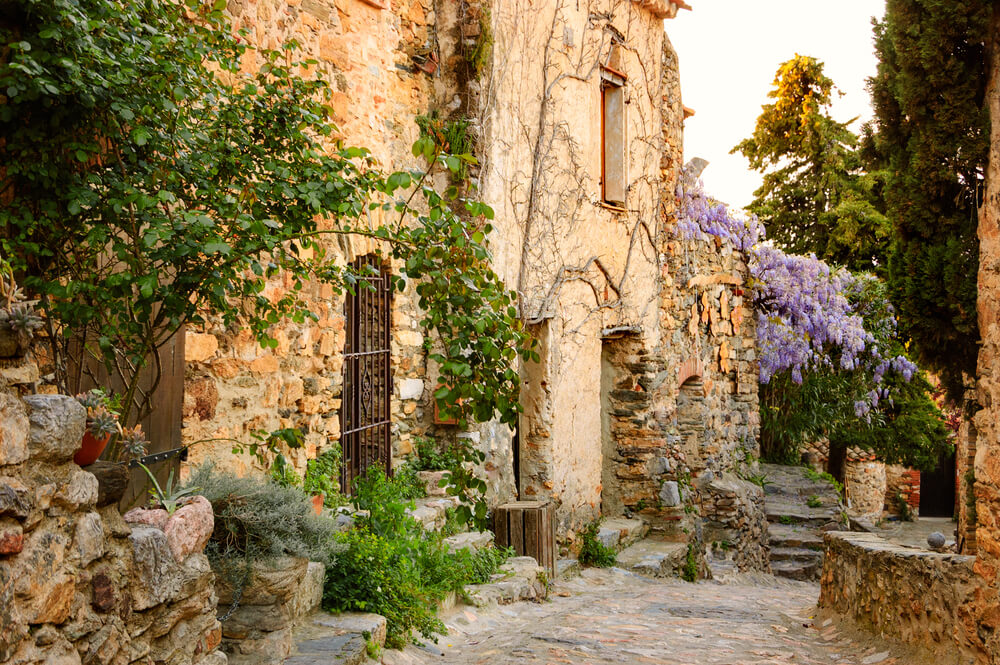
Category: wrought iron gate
[365,424]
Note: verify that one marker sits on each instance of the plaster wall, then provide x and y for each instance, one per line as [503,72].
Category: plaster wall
[581,266]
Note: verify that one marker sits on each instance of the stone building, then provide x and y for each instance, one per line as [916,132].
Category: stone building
[644,400]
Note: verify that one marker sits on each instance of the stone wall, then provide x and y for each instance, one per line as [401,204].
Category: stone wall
[277,595]
[865,488]
[987,455]
[902,483]
[587,270]
[913,596]
[591,274]
[77,583]
[380,63]
[735,522]
[965,487]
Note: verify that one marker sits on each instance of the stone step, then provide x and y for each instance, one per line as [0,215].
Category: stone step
[567,568]
[620,532]
[795,554]
[786,535]
[521,578]
[337,638]
[432,482]
[431,512]
[654,558]
[470,540]
[797,570]
[800,514]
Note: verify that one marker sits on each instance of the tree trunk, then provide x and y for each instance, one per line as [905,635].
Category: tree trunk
[836,464]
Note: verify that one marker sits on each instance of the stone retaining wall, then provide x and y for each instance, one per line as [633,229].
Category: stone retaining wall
[915,596]
[277,595]
[78,585]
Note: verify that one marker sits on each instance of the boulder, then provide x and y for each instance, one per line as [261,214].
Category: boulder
[88,539]
[58,423]
[273,581]
[13,430]
[670,494]
[189,528]
[157,575]
[14,499]
[149,516]
[112,481]
[79,492]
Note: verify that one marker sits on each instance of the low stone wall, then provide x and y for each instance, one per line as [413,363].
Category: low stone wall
[272,603]
[77,583]
[735,522]
[914,596]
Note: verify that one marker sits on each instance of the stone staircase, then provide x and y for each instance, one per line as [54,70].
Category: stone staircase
[649,557]
[654,558]
[799,509]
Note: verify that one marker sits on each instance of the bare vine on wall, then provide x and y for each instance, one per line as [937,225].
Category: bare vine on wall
[542,145]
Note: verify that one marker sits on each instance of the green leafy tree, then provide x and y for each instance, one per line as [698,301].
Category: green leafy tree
[147,179]
[930,138]
[815,199]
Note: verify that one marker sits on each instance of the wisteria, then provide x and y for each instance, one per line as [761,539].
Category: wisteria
[805,316]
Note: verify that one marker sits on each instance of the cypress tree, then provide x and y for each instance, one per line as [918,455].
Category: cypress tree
[930,138]
[815,197]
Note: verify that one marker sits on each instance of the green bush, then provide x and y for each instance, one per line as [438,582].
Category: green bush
[323,477]
[256,520]
[392,567]
[689,573]
[592,551]
[434,456]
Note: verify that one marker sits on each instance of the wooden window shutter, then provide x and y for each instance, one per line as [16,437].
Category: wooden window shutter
[613,128]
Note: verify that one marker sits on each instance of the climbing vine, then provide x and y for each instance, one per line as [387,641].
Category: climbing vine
[831,363]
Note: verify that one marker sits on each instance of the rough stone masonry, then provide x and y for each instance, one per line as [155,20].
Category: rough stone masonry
[79,585]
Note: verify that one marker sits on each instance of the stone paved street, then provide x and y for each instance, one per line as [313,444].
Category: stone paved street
[610,616]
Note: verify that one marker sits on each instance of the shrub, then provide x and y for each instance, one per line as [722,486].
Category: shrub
[256,520]
[392,567]
[409,483]
[689,572]
[323,477]
[434,456]
[592,551]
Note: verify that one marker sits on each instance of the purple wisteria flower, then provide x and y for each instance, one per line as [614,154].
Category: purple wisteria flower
[804,312]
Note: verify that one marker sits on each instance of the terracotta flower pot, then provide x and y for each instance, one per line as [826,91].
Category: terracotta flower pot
[317,501]
[90,449]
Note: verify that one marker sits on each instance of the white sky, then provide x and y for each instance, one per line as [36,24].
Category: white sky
[729,51]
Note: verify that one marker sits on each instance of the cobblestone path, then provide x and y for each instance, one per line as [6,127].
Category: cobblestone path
[609,616]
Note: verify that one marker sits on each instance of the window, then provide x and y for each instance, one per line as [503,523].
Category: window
[614,172]
[365,424]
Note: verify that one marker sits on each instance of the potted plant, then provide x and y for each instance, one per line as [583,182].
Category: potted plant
[102,423]
[18,319]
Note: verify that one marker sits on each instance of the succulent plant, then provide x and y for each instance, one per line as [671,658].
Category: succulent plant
[133,443]
[92,399]
[23,319]
[101,422]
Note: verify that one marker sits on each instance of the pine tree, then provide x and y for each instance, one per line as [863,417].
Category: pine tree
[814,199]
[930,139]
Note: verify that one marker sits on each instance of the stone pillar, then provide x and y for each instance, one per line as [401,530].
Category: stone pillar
[987,456]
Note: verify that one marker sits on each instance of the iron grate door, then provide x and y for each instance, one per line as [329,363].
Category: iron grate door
[365,423]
